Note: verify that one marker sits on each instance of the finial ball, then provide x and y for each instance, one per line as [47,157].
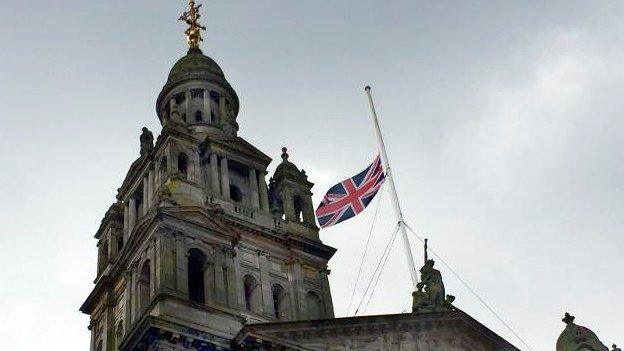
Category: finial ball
[367,88]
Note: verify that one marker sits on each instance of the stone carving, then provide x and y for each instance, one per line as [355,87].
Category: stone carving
[615,348]
[430,296]
[577,338]
[147,141]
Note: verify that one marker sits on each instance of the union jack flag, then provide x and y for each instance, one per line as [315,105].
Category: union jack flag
[351,196]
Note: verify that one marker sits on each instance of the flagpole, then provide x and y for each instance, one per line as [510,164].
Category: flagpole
[395,197]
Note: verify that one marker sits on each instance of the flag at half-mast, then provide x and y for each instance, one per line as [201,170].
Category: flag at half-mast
[351,196]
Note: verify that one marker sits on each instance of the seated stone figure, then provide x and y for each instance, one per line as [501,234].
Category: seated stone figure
[430,296]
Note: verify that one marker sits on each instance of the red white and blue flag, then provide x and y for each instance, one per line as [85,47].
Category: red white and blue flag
[351,196]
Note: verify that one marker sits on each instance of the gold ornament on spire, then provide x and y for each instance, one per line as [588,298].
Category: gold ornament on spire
[193,32]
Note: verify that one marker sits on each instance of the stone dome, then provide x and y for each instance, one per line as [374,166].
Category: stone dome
[195,64]
[578,338]
[196,67]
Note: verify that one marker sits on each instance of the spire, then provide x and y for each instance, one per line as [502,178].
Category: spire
[426,256]
[193,32]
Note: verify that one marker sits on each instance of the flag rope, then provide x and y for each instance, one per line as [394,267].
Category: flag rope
[384,254]
[370,232]
[467,286]
[370,297]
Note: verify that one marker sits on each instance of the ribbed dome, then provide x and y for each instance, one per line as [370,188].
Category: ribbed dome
[194,64]
[196,67]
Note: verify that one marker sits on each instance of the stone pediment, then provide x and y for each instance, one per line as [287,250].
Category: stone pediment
[238,145]
[449,330]
[207,218]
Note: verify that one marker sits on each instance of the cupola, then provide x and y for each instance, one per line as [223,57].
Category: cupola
[196,93]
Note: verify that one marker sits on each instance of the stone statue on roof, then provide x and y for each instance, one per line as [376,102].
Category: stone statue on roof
[430,295]
[147,141]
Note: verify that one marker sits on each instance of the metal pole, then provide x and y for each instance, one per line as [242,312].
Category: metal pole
[393,192]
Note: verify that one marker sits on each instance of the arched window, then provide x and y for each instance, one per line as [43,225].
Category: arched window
[119,333]
[199,116]
[235,193]
[313,303]
[252,294]
[298,204]
[279,302]
[196,266]
[182,163]
[144,285]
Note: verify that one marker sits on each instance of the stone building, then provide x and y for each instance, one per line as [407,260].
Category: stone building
[200,252]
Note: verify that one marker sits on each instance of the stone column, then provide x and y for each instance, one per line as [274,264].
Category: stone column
[214,174]
[219,280]
[187,107]
[209,280]
[326,293]
[288,204]
[164,261]
[231,280]
[150,187]
[253,189]
[300,311]
[264,194]
[127,301]
[126,233]
[134,294]
[225,178]
[308,211]
[145,204]
[222,115]
[181,262]
[206,100]
[131,215]
[265,280]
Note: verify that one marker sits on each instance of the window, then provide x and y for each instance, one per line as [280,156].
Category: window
[252,296]
[279,301]
[313,303]
[99,346]
[298,205]
[182,163]
[196,265]
[144,285]
[235,193]
[120,243]
[199,116]
[214,106]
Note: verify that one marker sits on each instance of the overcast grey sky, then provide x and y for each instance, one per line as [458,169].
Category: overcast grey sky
[503,122]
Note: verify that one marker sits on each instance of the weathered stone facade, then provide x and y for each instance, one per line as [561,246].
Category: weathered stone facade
[193,241]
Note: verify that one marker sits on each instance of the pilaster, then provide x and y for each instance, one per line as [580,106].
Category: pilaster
[253,187]
[214,174]
[263,189]
[265,279]
[225,178]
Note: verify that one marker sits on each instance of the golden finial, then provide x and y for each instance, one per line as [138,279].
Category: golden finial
[191,17]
